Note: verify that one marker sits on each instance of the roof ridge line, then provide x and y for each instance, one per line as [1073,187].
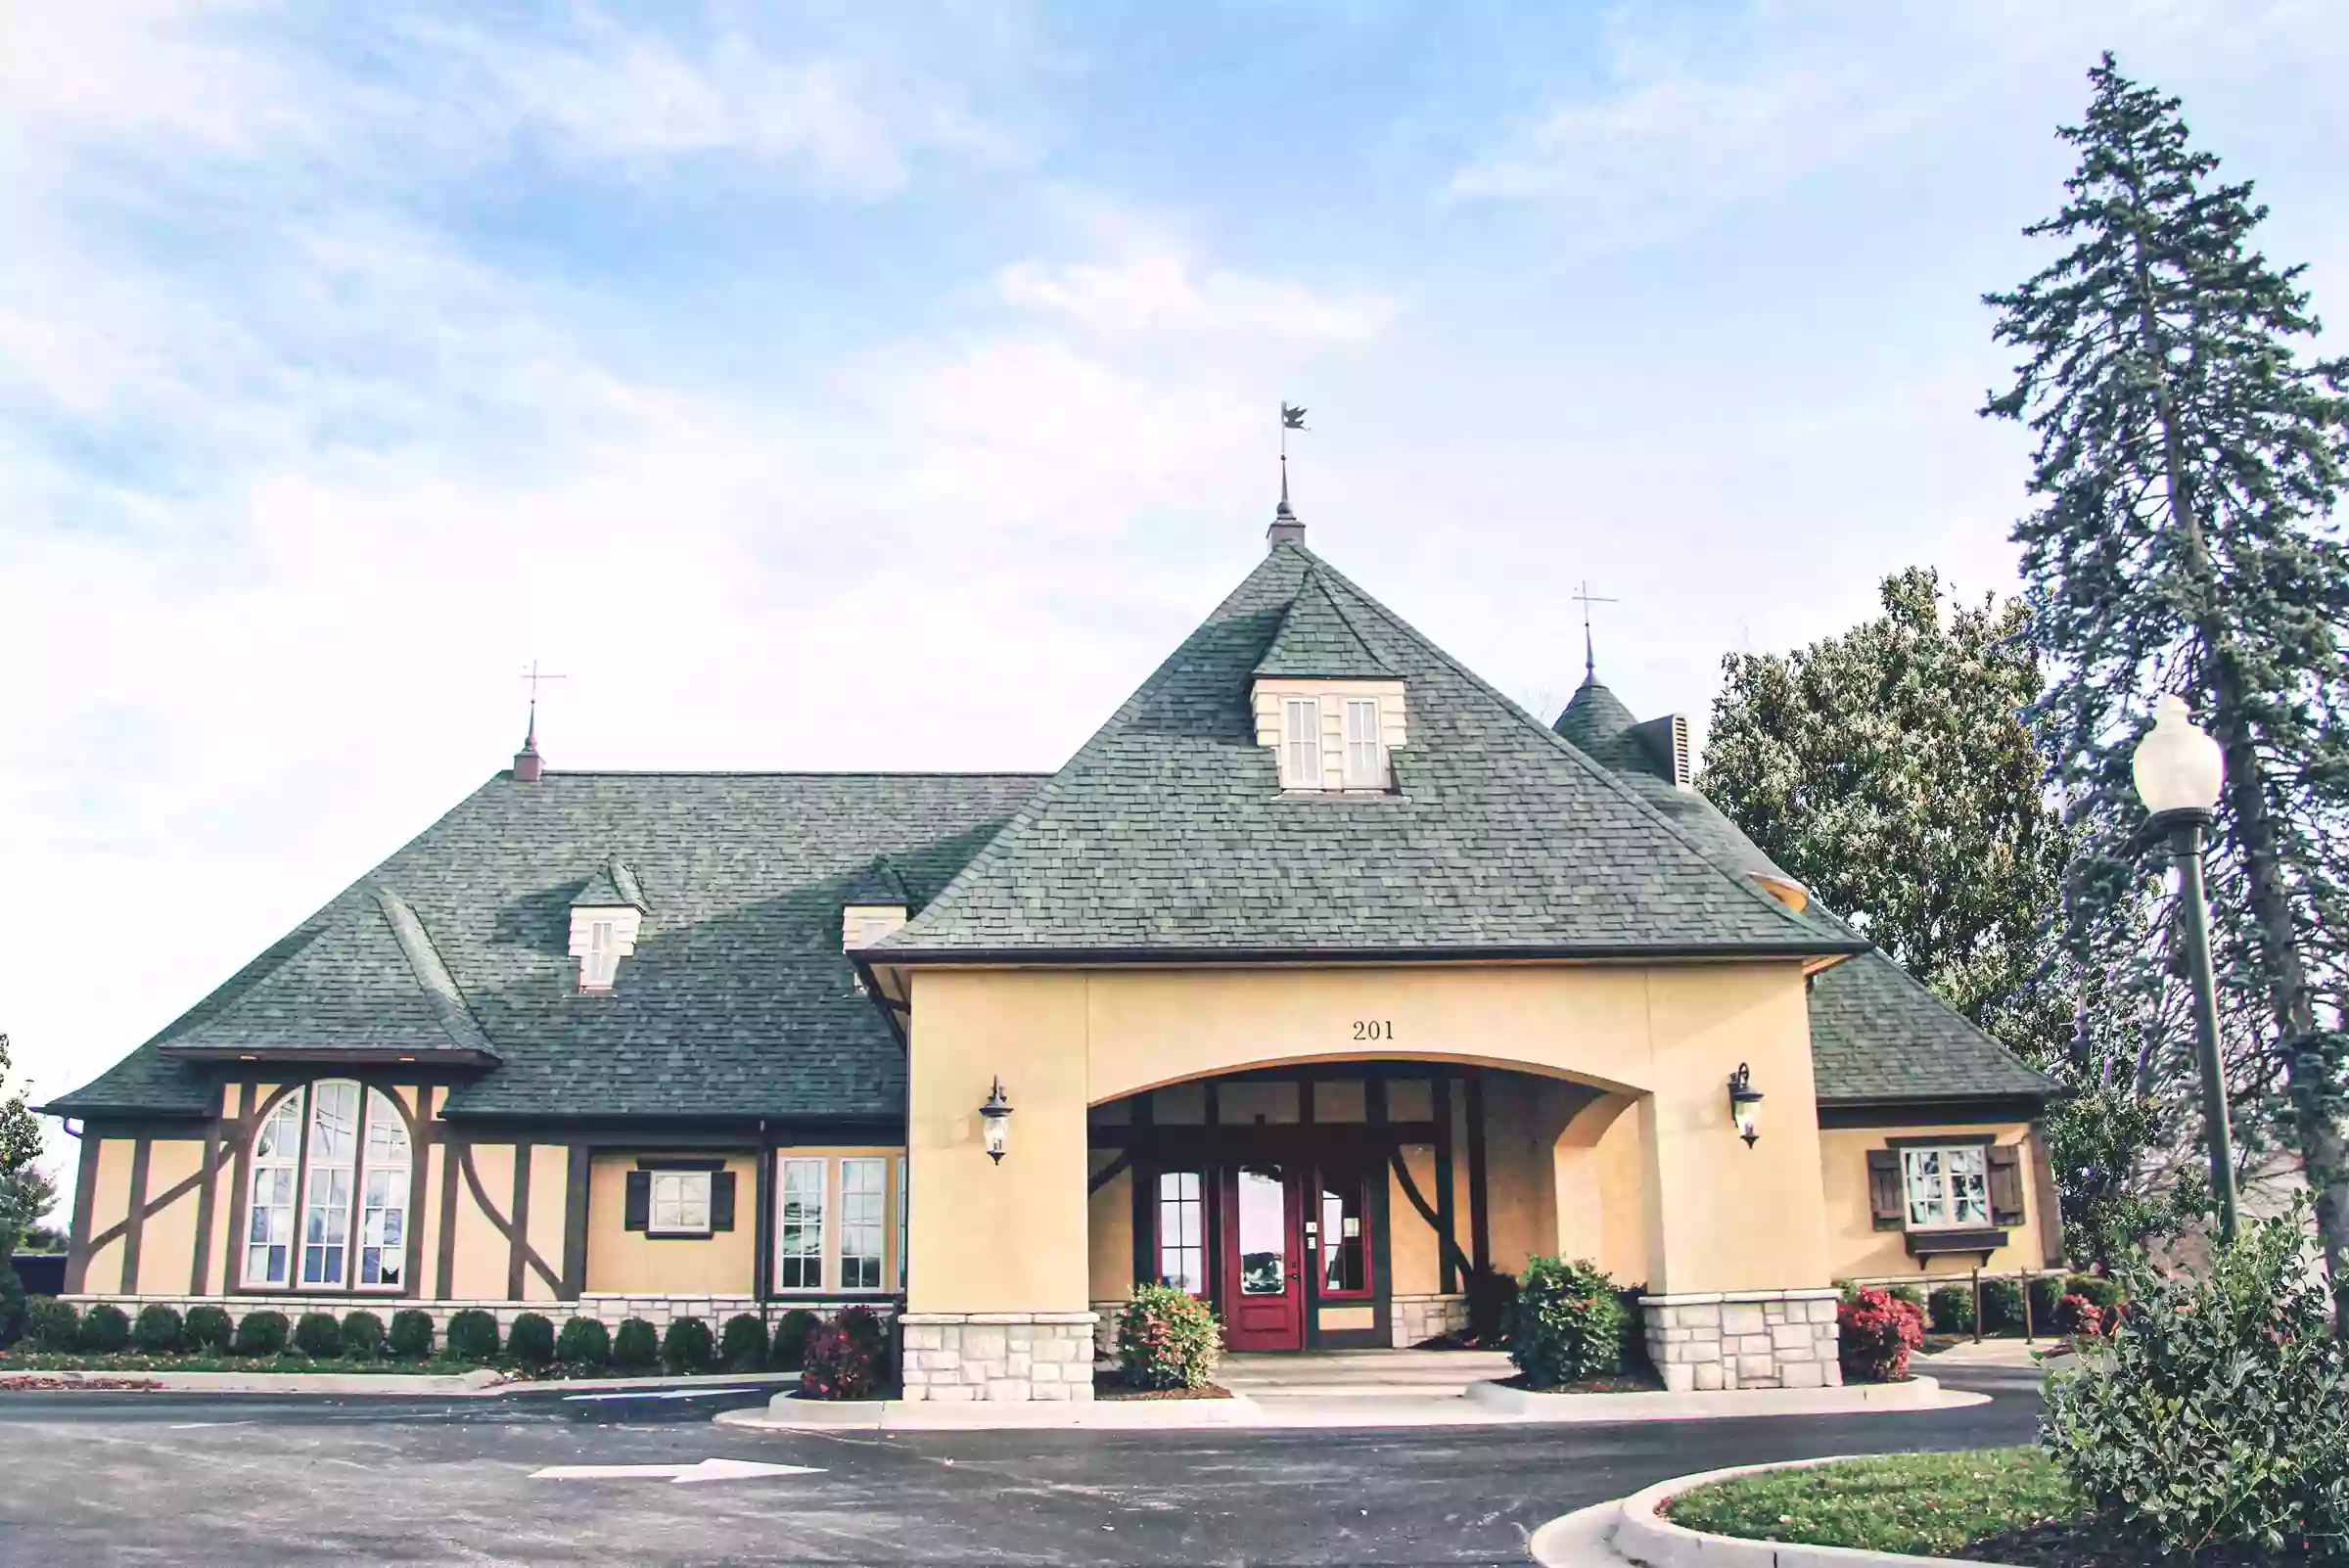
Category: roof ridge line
[1590,764]
[440,988]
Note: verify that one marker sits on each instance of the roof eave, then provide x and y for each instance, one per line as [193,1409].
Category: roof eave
[1580,952]
[357,1055]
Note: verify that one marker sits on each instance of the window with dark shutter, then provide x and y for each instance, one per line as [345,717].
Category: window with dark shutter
[721,1201]
[1884,1200]
[639,1207]
[2005,1185]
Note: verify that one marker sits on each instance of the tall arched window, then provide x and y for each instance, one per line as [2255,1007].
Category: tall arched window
[336,1145]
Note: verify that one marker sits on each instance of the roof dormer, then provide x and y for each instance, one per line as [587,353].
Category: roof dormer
[1328,706]
[605,917]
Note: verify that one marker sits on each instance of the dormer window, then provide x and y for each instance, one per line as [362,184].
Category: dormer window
[1329,736]
[602,960]
[1366,745]
[605,917]
[863,924]
[1301,743]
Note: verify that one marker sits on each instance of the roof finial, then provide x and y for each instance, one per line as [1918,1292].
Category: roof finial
[528,764]
[1587,599]
[1286,528]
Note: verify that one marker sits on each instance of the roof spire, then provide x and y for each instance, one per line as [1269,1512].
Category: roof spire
[527,764]
[1286,528]
[1587,599]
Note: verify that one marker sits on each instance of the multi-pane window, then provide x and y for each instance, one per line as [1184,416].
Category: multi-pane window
[799,1226]
[1366,748]
[1945,1187]
[1181,1231]
[328,1147]
[602,960]
[1344,1255]
[679,1203]
[863,1217]
[1301,743]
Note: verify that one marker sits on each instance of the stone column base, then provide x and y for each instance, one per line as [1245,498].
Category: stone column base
[998,1355]
[1412,1318]
[1745,1339]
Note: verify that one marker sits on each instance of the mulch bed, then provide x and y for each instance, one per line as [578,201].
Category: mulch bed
[2082,1544]
[1111,1386]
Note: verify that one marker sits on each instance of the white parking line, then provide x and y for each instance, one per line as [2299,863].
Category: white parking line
[660,1394]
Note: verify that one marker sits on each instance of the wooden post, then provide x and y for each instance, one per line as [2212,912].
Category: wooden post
[2027,1334]
[1977,1304]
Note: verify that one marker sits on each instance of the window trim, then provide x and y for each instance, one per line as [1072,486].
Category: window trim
[878,1226]
[823,1222]
[401,1195]
[708,1181]
[1979,1151]
[830,1256]
[1197,1200]
[1293,775]
[1322,1291]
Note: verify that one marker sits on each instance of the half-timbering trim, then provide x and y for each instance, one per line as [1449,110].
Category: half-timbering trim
[515,1239]
[85,1197]
[1448,1248]
[575,1222]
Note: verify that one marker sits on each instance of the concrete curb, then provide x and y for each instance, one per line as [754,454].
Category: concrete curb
[1852,1399]
[785,1414]
[482,1383]
[1635,1531]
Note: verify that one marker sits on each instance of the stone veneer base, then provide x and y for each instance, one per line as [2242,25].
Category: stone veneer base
[1743,1339]
[610,1309]
[1016,1357]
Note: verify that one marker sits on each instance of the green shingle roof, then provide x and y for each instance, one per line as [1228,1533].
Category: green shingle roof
[1316,639]
[736,1001]
[1169,834]
[614,886]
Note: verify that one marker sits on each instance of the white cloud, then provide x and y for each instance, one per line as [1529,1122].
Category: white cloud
[1168,295]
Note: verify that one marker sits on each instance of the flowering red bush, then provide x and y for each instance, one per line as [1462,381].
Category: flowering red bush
[846,1358]
[1876,1332]
[2081,1319]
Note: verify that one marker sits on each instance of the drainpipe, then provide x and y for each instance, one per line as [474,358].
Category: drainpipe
[762,1258]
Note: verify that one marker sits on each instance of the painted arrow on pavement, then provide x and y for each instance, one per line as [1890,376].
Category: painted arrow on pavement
[682,1475]
[659,1393]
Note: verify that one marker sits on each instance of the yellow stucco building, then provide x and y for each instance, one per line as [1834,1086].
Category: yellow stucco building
[1323,981]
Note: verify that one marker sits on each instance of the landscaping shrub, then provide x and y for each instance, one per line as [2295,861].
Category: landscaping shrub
[2078,1318]
[473,1335]
[790,1349]
[1874,1334]
[1166,1338]
[1846,1289]
[209,1328]
[159,1329]
[411,1336]
[12,1301]
[2001,1307]
[531,1339]
[688,1346]
[1570,1323]
[52,1324]
[1952,1309]
[848,1360]
[2213,1423]
[584,1345]
[742,1345]
[318,1335]
[2047,1294]
[2105,1295]
[263,1333]
[1913,1296]
[1636,1361]
[1492,1306]
[362,1335]
[105,1328]
[636,1346]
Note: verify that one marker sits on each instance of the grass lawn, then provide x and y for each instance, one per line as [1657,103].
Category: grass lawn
[1926,1505]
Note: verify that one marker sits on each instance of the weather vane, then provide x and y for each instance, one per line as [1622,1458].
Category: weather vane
[1291,418]
[532,675]
[1585,598]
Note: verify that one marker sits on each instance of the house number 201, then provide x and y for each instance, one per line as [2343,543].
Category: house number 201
[1374,1028]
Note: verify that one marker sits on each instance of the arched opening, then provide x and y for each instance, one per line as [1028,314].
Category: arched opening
[1356,1203]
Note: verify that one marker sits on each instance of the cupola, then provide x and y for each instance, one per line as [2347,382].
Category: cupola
[1331,709]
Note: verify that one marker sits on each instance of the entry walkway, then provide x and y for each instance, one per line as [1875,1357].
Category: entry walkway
[1360,1374]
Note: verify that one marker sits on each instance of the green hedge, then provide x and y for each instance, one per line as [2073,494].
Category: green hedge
[211,1328]
[362,1335]
[531,1339]
[742,1345]
[318,1335]
[688,1347]
[411,1336]
[584,1345]
[264,1333]
[636,1346]
[473,1335]
[160,1329]
[105,1328]
[52,1324]
[789,1353]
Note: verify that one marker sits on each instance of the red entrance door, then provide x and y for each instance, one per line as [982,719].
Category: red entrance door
[1263,1289]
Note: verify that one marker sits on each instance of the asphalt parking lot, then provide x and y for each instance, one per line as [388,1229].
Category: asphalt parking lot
[143,1478]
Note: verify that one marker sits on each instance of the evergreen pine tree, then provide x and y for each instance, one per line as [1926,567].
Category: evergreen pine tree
[2188,460]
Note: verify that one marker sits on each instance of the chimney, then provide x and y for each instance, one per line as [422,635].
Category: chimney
[527,764]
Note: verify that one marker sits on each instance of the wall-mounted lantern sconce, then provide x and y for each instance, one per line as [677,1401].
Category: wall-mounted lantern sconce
[997,1113]
[1745,1104]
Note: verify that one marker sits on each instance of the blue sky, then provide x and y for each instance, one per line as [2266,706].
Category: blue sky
[856,386]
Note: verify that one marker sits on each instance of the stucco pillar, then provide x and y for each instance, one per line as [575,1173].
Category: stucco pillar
[997,1253]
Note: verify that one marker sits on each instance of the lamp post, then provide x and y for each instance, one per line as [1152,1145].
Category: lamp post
[2178,770]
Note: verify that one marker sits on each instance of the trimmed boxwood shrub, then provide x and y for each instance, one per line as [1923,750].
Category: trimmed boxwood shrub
[317,1334]
[1951,1309]
[688,1346]
[742,1345]
[637,1345]
[1909,1294]
[1570,1323]
[789,1353]
[848,1358]
[209,1328]
[473,1335]
[411,1336]
[2046,1291]
[52,1324]
[362,1335]
[263,1333]
[531,1339]
[584,1345]
[105,1328]
[1875,1331]
[2001,1307]
[159,1329]
[1166,1338]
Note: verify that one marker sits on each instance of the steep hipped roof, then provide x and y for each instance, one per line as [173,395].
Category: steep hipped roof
[737,1000]
[613,887]
[1169,834]
[1876,1033]
[877,883]
[1316,639]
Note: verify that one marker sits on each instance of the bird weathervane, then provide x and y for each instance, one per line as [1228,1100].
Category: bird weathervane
[1291,418]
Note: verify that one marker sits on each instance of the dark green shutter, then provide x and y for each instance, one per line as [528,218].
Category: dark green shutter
[2005,1185]
[721,1201]
[639,1211]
